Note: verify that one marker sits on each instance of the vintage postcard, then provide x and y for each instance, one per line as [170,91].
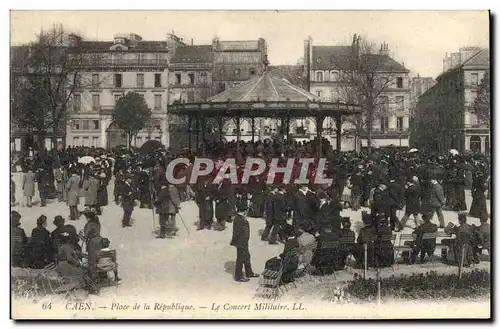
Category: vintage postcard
[250,164]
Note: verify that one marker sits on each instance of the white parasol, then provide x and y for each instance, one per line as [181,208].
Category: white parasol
[86,160]
[413,150]
[454,152]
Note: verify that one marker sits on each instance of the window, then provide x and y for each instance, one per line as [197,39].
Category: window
[191,78]
[78,80]
[252,71]
[157,80]
[222,86]
[138,140]
[96,124]
[190,96]
[95,79]
[77,106]
[399,82]
[399,124]
[86,141]
[384,124]
[400,102]
[86,125]
[76,125]
[178,78]
[76,141]
[384,103]
[96,102]
[117,98]
[95,141]
[319,93]
[157,101]
[157,124]
[334,76]
[237,72]
[474,79]
[118,80]
[319,76]
[140,80]
[473,95]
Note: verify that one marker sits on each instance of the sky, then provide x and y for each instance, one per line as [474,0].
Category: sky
[419,39]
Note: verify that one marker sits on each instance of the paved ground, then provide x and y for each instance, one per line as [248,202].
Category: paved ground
[191,267]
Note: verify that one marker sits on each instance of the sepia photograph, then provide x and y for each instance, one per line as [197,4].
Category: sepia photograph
[230,164]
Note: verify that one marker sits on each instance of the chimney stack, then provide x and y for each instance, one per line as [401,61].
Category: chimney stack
[191,41]
[384,49]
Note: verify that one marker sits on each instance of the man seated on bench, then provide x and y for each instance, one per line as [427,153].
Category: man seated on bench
[484,236]
[288,255]
[306,241]
[106,263]
[366,235]
[383,247]
[424,247]
[326,260]
[347,240]
[464,239]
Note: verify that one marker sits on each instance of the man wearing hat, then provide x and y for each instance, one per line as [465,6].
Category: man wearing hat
[465,238]
[241,235]
[59,222]
[167,206]
[18,240]
[366,235]
[128,197]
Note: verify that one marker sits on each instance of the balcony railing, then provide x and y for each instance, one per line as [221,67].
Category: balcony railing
[126,62]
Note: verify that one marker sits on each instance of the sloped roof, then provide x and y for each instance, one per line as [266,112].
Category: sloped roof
[103,46]
[330,57]
[237,45]
[267,87]
[193,54]
[480,59]
[338,58]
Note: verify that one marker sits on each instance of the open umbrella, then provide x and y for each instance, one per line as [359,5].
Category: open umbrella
[86,160]
[151,146]
[413,150]
[454,152]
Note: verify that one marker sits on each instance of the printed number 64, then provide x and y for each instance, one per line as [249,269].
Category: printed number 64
[46,306]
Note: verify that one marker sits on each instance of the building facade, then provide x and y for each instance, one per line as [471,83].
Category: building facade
[236,61]
[126,64]
[443,118]
[326,69]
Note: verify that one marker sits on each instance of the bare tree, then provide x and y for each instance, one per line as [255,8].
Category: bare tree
[365,79]
[47,74]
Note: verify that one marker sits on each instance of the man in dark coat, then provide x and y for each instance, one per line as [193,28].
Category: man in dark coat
[128,197]
[412,198]
[204,200]
[144,188]
[366,236]
[162,208]
[43,178]
[326,259]
[396,202]
[119,181]
[241,235]
[18,240]
[301,215]
[424,247]
[271,222]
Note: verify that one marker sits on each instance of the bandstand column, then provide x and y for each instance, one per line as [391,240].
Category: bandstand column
[319,130]
[203,127]
[238,133]
[197,132]
[253,130]
[190,130]
[338,132]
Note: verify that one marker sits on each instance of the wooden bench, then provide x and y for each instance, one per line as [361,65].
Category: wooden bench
[271,280]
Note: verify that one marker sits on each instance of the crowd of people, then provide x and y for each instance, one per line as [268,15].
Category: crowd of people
[385,182]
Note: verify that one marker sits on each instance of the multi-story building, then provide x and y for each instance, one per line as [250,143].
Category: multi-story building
[326,69]
[443,119]
[236,61]
[418,86]
[126,64]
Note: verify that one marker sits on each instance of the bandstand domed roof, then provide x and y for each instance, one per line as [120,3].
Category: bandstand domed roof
[268,87]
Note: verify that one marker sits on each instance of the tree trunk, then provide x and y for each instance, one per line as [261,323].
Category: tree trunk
[129,138]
